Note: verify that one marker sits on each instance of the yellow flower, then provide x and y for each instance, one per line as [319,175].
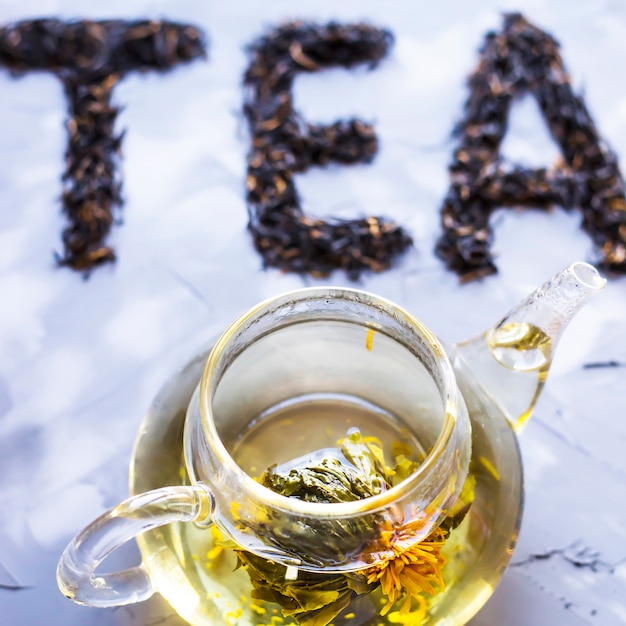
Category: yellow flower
[406,567]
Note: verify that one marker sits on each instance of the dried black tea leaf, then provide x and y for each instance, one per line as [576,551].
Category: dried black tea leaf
[284,144]
[90,57]
[522,58]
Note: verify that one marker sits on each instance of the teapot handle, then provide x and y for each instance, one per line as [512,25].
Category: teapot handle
[76,571]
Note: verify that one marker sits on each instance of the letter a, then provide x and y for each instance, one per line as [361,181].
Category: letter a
[523,58]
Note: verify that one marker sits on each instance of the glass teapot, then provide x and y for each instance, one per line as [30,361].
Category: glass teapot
[337,466]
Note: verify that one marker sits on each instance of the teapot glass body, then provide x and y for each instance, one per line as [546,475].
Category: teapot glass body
[332,471]
[295,377]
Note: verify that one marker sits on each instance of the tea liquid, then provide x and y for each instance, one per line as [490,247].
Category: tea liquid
[513,359]
[199,577]
[312,423]
[302,426]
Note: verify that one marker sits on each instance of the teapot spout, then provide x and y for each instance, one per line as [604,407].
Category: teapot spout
[510,362]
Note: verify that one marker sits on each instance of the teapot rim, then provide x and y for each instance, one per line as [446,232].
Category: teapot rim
[450,395]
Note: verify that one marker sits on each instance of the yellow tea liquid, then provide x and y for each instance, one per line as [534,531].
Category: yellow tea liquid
[307,424]
[200,578]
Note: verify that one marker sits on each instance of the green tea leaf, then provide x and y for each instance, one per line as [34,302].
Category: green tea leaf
[354,471]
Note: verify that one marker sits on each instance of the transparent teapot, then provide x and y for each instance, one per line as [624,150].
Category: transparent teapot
[335,466]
